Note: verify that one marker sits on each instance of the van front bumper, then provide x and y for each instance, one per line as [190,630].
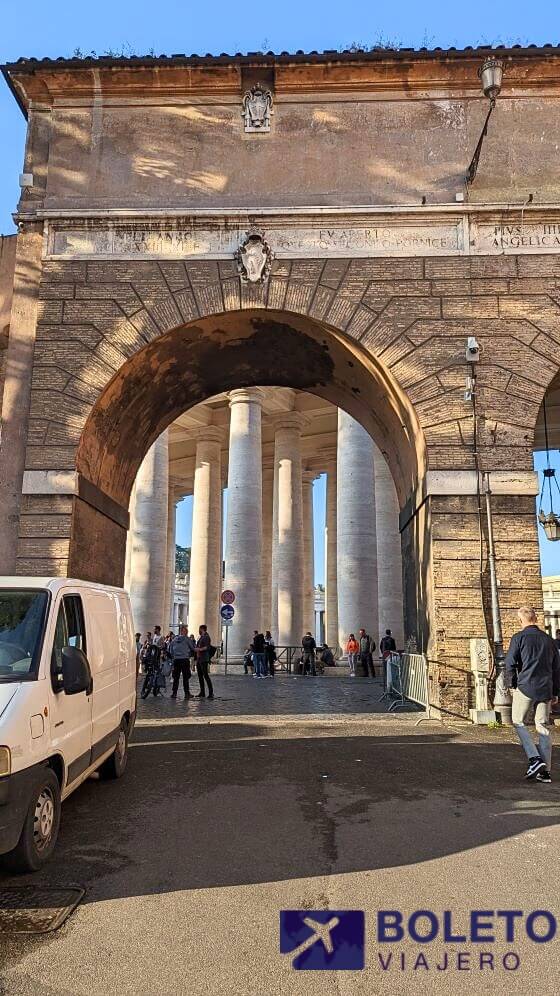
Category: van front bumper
[15,795]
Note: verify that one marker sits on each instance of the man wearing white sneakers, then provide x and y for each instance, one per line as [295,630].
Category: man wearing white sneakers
[532,674]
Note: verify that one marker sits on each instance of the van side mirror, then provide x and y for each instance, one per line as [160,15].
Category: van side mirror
[76,674]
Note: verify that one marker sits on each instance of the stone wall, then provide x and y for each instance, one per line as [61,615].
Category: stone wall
[7,266]
[379,130]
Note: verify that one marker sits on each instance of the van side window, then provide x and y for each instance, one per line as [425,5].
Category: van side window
[69,632]
[75,622]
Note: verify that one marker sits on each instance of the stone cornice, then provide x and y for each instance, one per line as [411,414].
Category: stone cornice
[451,74]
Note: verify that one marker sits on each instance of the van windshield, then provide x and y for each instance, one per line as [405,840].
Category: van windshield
[22,615]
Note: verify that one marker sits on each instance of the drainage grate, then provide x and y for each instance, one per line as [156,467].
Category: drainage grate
[30,909]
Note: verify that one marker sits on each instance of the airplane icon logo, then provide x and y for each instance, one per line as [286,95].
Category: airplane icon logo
[323,939]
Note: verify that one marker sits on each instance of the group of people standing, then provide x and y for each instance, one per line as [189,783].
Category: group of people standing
[361,651]
[260,655]
[178,656]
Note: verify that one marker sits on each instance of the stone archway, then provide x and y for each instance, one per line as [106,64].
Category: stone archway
[193,362]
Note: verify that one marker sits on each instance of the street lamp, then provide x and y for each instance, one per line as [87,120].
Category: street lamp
[490,75]
[550,521]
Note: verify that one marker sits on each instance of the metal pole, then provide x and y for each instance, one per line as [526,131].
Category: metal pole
[226,662]
[502,700]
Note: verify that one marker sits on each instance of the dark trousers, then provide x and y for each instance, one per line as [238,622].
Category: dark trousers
[203,676]
[309,663]
[367,664]
[181,667]
[269,659]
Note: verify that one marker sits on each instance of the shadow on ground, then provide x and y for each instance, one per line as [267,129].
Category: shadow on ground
[202,806]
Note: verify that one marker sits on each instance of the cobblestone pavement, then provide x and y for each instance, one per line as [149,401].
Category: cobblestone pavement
[282,696]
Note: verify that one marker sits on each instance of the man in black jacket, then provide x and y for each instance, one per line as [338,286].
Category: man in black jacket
[309,647]
[532,673]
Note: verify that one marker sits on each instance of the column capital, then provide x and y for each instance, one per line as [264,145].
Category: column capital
[308,476]
[246,395]
[210,434]
[289,420]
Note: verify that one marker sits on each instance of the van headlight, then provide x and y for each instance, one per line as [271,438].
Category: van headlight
[5,761]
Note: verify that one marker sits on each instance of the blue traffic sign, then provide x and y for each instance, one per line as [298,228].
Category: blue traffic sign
[227,611]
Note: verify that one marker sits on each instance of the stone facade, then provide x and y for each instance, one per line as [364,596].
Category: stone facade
[123,343]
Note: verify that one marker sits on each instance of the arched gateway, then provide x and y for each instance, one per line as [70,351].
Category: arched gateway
[177,240]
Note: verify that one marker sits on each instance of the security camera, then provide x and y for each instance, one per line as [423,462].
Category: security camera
[473,349]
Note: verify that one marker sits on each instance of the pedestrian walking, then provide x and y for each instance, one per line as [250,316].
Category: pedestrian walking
[203,657]
[138,643]
[352,650]
[181,650]
[309,647]
[367,647]
[532,673]
[248,661]
[258,650]
[158,639]
[269,653]
[557,639]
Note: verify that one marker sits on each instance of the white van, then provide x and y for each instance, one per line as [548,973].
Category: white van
[67,702]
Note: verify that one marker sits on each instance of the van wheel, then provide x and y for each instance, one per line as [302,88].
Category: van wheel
[40,829]
[115,765]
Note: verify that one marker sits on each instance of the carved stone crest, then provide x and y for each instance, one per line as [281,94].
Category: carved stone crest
[257,108]
[254,257]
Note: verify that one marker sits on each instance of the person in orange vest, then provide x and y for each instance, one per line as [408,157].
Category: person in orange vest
[352,649]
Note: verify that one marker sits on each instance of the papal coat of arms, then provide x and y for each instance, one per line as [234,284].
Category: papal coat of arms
[257,108]
[254,258]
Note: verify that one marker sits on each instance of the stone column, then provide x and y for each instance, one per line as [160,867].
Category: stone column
[389,558]
[308,553]
[288,583]
[331,593]
[244,518]
[128,555]
[267,519]
[356,539]
[148,559]
[170,557]
[206,544]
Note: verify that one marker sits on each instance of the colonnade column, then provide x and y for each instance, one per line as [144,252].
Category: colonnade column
[148,554]
[170,558]
[389,559]
[308,553]
[331,571]
[356,531]
[267,519]
[244,518]
[287,558]
[206,544]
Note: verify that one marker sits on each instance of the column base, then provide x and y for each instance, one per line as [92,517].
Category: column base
[481,717]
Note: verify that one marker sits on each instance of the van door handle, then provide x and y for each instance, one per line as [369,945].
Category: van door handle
[61,723]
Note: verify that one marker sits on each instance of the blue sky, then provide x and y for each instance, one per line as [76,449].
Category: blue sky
[59,27]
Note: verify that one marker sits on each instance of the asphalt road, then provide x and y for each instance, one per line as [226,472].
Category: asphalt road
[229,813]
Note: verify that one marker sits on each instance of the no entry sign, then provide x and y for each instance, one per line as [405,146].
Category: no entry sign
[228,597]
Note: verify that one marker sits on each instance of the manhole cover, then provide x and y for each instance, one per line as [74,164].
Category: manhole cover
[30,909]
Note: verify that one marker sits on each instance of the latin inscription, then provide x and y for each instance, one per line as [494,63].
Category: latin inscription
[205,240]
[516,237]
[221,242]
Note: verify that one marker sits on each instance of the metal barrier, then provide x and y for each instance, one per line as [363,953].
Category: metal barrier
[406,681]
[285,657]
